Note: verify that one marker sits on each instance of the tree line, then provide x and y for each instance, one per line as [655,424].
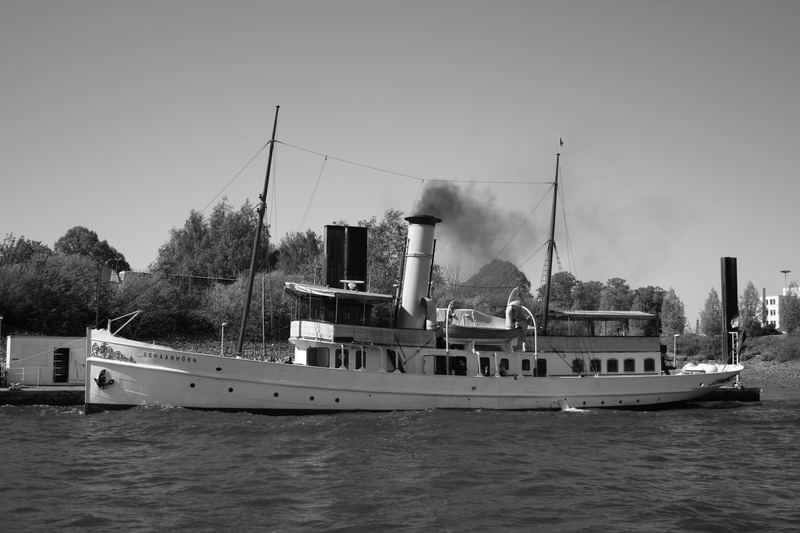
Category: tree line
[198,280]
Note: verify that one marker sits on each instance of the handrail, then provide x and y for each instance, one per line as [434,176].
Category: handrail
[535,336]
[110,320]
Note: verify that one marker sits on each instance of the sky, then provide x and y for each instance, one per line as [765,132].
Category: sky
[680,122]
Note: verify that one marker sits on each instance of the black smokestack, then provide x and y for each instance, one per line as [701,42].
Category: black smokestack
[730,305]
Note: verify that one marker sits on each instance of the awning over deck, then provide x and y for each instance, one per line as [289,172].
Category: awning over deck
[301,290]
[601,315]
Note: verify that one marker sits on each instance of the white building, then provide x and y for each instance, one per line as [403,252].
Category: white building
[40,361]
[773,305]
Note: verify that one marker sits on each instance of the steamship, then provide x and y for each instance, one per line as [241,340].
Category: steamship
[348,357]
[355,350]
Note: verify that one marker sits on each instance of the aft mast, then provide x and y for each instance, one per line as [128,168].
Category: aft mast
[550,245]
[262,207]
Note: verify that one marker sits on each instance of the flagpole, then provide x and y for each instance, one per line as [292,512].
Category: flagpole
[551,244]
[262,207]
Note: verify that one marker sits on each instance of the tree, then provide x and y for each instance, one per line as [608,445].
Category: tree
[647,300]
[711,315]
[225,305]
[52,294]
[22,250]
[790,311]
[387,239]
[750,311]
[491,286]
[220,247]
[586,295]
[301,254]
[82,241]
[673,317]
[561,287]
[449,284]
[616,295]
[168,308]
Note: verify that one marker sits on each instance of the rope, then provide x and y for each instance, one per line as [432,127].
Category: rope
[349,162]
[522,225]
[417,178]
[313,192]
[234,177]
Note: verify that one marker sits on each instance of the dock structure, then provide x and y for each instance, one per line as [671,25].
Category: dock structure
[733,394]
[59,396]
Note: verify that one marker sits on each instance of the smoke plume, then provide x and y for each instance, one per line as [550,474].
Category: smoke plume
[474,228]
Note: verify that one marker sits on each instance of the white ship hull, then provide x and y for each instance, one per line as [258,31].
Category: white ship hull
[137,374]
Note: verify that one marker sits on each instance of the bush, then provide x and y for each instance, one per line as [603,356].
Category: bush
[691,345]
[778,348]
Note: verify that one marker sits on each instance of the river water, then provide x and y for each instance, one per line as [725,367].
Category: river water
[720,467]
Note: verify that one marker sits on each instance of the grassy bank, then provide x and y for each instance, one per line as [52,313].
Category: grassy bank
[772,361]
[771,374]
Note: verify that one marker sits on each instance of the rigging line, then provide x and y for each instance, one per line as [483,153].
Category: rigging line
[349,162]
[313,192]
[533,254]
[273,213]
[544,196]
[490,181]
[409,176]
[235,176]
[419,193]
[522,224]
[570,253]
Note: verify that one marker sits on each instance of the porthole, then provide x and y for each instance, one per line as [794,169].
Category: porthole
[620,402]
[191,385]
[219,369]
[336,400]
[276,394]
[474,387]
[230,389]
[311,398]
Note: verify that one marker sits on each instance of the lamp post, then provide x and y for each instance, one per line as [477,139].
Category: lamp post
[222,343]
[785,272]
[675,348]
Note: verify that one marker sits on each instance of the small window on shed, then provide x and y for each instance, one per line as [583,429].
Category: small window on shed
[526,365]
[630,365]
[359,359]
[649,365]
[577,366]
[595,366]
[612,366]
